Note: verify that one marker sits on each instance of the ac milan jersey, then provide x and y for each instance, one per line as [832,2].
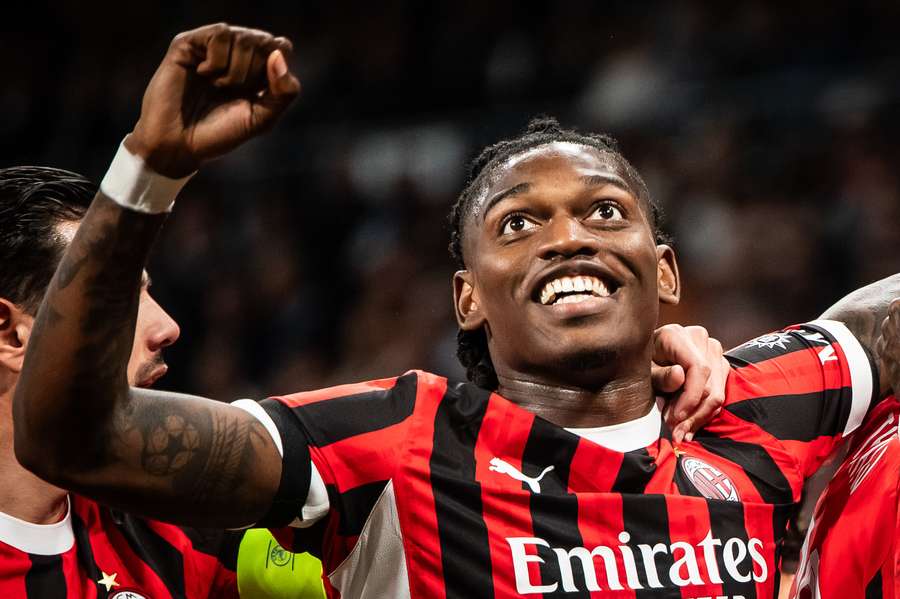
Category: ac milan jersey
[98,553]
[851,547]
[439,489]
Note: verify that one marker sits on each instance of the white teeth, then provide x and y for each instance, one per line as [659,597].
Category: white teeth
[573,285]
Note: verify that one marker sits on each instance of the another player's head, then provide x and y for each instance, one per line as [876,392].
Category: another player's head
[40,210]
[557,205]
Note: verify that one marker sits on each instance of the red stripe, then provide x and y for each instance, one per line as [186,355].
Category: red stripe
[113,554]
[415,500]
[593,468]
[361,459]
[689,522]
[15,564]
[308,397]
[506,507]
[758,521]
[788,374]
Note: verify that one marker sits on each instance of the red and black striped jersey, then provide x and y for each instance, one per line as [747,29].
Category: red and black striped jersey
[419,487]
[96,552]
[851,548]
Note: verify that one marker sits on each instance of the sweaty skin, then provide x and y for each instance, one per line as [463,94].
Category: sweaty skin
[566,209]
[79,425]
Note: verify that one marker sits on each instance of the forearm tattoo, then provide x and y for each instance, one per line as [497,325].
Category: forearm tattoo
[89,316]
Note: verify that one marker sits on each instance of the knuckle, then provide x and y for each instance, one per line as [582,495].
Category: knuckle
[704,370]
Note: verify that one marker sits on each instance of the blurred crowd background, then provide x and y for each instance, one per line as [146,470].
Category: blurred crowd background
[768,131]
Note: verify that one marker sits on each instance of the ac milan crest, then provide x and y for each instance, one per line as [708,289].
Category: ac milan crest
[126,594]
[709,480]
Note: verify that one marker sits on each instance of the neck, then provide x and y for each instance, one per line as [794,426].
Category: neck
[22,494]
[613,402]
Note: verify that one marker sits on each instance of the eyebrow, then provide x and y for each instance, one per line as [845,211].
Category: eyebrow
[589,180]
[512,191]
[609,179]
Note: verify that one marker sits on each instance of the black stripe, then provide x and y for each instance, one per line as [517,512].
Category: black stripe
[340,418]
[759,350]
[635,472]
[85,552]
[554,511]
[296,469]
[875,588]
[157,553]
[220,544]
[761,469]
[463,535]
[801,417]
[646,520]
[355,505]
[726,519]
[45,578]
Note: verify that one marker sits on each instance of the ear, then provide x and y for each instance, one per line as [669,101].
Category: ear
[668,281]
[15,328]
[465,302]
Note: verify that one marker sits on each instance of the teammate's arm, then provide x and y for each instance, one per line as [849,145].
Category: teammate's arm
[889,346]
[77,422]
[863,311]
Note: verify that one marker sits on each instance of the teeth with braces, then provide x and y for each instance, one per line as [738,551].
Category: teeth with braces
[553,290]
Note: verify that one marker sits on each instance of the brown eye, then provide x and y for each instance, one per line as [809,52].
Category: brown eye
[516,223]
[608,211]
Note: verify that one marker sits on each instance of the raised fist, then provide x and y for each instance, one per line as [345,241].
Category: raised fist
[217,87]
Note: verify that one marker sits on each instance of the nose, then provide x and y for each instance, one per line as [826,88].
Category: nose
[164,331]
[566,236]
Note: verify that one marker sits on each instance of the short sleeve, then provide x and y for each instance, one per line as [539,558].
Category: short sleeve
[808,386]
[340,448]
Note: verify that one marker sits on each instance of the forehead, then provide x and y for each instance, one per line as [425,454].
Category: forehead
[546,164]
[66,231]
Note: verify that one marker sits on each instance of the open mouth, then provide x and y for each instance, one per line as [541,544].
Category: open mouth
[575,289]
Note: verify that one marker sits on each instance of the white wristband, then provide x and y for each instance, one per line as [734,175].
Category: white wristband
[132,184]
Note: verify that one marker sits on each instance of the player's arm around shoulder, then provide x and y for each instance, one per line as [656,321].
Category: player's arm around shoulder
[863,312]
[77,422]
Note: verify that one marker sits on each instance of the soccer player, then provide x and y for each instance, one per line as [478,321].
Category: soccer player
[52,543]
[550,472]
[852,547]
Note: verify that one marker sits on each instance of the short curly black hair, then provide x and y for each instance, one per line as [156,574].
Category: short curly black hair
[472,347]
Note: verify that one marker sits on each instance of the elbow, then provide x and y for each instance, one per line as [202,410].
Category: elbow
[38,461]
[41,458]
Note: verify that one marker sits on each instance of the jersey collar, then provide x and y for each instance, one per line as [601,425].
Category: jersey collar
[38,539]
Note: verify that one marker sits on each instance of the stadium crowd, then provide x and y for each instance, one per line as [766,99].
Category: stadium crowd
[768,132]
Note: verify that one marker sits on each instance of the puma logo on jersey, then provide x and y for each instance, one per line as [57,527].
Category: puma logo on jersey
[498,465]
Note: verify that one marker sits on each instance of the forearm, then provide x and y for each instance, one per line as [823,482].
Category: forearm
[79,425]
[73,383]
[863,312]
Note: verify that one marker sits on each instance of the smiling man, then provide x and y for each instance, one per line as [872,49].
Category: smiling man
[550,473]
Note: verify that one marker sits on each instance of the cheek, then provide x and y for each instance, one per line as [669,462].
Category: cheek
[499,276]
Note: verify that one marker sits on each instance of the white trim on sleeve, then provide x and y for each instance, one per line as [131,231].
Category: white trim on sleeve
[257,411]
[860,371]
[317,503]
